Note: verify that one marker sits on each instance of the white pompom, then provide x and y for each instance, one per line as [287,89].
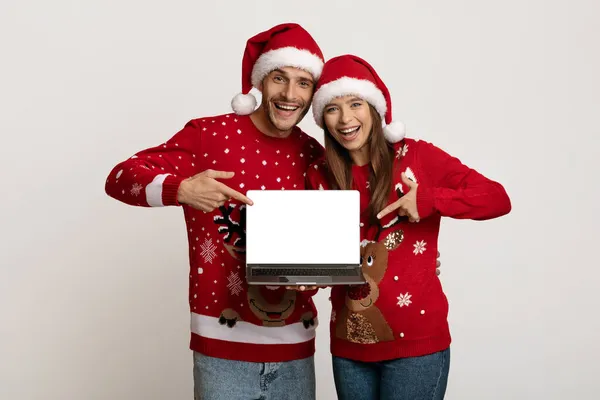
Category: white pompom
[394,131]
[243,104]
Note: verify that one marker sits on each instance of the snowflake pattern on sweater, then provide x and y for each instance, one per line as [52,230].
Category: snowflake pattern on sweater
[229,319]
[402,311]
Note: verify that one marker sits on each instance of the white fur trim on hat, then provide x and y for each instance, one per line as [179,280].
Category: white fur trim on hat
[394,131]
[345,86]
[243,104]
[286,57]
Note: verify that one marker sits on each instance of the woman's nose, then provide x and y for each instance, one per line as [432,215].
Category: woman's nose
[345,117]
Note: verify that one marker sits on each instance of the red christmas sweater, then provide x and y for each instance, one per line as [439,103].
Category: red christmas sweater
[402,310]
[229,319]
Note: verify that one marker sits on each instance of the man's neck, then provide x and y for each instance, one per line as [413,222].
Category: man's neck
[263,124]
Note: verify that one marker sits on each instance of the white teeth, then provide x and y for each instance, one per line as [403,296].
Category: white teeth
[289,108]
[346,131]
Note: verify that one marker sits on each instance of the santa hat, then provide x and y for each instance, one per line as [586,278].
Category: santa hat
[285,45]
[351,75]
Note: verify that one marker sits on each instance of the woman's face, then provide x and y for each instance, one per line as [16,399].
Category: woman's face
[349,121]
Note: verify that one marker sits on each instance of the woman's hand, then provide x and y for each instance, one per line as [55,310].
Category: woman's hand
[406,205]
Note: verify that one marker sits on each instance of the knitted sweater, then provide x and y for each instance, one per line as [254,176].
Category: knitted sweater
[402,310]
[229,319]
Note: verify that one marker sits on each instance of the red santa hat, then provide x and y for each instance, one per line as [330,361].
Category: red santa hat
[351,75]
[285,45]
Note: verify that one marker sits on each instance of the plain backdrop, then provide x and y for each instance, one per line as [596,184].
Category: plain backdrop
[93,293]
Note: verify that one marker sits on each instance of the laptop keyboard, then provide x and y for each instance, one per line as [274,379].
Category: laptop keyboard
[304,272]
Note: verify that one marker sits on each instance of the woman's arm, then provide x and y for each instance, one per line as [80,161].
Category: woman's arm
[457,191]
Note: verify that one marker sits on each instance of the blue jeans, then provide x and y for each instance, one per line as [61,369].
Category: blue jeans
[220,379]
[413,378]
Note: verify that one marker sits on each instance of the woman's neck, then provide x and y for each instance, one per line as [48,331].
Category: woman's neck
[360,157]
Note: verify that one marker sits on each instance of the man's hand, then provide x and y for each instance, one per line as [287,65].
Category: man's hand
[406,205]
[203,192]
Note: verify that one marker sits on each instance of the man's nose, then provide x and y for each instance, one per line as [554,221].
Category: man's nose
[289,92]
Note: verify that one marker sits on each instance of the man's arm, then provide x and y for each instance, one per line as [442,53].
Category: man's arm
[170,175]
[151,178]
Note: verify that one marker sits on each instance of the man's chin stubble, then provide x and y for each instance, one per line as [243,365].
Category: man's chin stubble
[272,119]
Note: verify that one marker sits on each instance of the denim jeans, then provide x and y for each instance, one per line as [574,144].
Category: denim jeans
[413,378]
[220,379]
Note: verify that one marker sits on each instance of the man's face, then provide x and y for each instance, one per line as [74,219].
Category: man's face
[286,96]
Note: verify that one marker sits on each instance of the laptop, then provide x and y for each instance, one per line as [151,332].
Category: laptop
[303,237]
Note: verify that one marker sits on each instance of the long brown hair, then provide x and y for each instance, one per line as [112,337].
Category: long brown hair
[381,161]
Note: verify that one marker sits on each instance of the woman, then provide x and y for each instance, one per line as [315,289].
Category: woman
[390,336]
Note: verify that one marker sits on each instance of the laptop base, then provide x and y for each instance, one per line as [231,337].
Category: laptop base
[303,274]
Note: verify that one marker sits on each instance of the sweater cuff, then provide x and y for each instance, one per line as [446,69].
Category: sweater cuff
[425,202]
[170,188]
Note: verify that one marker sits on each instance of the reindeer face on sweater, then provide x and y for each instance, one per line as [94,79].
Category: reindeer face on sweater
[374,261]
[272,307]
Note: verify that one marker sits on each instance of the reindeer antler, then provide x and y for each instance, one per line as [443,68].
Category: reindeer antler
[229,227]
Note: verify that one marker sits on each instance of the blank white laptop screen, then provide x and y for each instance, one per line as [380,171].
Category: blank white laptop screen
[317,227]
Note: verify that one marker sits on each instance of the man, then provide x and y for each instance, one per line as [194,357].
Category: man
[248,342]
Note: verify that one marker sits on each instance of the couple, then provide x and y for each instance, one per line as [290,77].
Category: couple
[389,337]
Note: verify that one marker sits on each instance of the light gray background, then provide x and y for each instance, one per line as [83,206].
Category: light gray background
[93,293]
